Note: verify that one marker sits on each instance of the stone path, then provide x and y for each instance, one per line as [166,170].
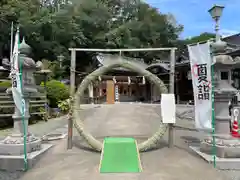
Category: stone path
[138,121]
[41,128]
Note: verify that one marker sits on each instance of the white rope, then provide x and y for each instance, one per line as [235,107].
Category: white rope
[143,80]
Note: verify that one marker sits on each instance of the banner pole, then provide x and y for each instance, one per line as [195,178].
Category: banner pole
[11,48]
[171,91]
[213,112]
[23,107]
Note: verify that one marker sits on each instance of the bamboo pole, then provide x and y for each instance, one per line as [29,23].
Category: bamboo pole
[171,91]
[72,92]
[121,50]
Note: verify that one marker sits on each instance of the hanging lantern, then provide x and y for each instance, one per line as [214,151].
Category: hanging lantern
[114,80]
[90,90]
[99,78]
[143,80]
[129,80]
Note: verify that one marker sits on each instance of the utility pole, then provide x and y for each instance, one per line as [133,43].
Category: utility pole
[72,92]
[171,91]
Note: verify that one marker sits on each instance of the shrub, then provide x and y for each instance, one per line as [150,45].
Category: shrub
[6,84]
[56,91]
[64,106]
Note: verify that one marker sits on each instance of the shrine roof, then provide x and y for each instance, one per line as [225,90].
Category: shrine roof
[233,46]
[234,39]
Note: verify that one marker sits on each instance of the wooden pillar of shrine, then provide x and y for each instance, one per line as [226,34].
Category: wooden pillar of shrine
[110,90]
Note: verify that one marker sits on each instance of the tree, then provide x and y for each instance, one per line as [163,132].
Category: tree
[56,71]
[145,28]
[50,27]
[182,44]
[202,37]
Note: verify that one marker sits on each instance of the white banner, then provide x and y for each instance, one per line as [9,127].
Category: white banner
[200,61]
[16,80]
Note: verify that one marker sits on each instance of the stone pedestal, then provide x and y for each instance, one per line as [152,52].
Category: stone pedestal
[12,147]
[226,148]
[13,144]
[221,163]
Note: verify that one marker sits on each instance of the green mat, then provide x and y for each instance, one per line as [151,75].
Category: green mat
[120,155]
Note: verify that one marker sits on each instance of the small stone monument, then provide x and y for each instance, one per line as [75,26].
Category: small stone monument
[13,145]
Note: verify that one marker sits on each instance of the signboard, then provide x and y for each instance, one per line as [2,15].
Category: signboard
[200,61]
[116,93]
[168,108]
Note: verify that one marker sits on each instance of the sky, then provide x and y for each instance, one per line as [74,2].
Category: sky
[194,16]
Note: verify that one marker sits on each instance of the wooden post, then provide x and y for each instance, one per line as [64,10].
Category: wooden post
[171,91]
[110,92]
[177,92]
[72,92]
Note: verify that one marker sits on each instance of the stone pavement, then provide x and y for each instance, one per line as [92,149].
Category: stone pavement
[138,121]
[58,125]
[162,164]
[41,128]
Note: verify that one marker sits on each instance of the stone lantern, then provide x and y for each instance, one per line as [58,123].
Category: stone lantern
[221,143]
[223,89]
[13,144]
[226,145]
[44,71]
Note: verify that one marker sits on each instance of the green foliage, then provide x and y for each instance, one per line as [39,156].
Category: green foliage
[64,105]
[6,84]
[43,113]
[50,27]
[202,37]
[56,91]
[56,71]
[182,44]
